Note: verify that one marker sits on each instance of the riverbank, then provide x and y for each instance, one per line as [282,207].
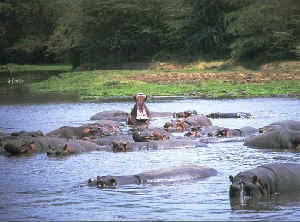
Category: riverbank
[214,79]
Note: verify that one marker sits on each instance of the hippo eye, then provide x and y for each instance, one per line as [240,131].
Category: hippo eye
[113,182]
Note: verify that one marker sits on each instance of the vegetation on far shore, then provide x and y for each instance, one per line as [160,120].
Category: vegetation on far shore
[215,79]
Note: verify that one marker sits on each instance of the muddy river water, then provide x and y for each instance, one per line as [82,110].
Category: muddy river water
[42,188]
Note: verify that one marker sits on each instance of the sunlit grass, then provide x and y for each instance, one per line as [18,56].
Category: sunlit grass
[101,83]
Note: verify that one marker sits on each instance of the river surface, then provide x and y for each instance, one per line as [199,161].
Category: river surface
[42,188]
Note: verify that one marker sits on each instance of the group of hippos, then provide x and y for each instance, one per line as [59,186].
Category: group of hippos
[118,131]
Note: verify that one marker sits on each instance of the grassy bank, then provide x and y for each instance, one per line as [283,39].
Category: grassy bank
[203,79]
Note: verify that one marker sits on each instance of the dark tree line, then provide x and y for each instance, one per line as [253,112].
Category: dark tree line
[103,31]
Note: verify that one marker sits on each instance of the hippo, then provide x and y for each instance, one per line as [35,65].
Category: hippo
[289,124]
[278,135]
[140,113]
[177,125]
[115,115]
[74,147]
[146,135]
[87,131]
[263,182]
[185,114]
[167,175]
[216,131]
[70,132]
[17,145]
[198,120]
[174,143]
[229,115]
[46,144]
[108,140]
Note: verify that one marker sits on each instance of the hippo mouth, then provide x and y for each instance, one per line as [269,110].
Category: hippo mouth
[141,113]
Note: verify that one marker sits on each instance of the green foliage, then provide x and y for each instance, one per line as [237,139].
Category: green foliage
[113,31]
[264,29]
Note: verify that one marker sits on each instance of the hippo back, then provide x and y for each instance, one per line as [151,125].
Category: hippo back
[178,173]
[287,176]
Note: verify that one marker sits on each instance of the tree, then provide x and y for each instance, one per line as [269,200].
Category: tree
[266,28]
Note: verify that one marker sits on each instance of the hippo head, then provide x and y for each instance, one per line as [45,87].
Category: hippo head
[20,148]
[59,149]
[141,112]
[120,146]
[103,182]
[245,189]
[140,99]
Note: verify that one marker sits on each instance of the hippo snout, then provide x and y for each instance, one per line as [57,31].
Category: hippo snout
[106,182]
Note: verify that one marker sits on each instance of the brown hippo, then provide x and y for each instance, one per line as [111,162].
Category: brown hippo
[229,115]
[87,131]
[167,175]
[216,131]
[70,132]
[173,143]
[51,145]
[74,147]
[278,135]
[146,135]
[140,112]
[108,140]
[264,181]
[198,121]
[27,145]
[179,125]
[185,114]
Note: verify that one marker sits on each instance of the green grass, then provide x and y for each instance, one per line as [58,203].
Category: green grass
[90,85]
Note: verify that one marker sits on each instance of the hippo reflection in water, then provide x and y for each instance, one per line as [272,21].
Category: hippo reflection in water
[140,112]
[262,182]
[171,174]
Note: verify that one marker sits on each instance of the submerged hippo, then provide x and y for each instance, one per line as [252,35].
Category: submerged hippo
[264,181]
[74,147]
[173,143]
[140,112]
[70,132]
[171,174]
[216,131]
[28,145]
[115,115]
[146,135]
[185,114]
[109,140]
[87,131]
[229,115]
[278,135]
[46,144]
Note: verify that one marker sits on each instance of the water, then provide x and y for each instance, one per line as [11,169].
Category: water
[41,188]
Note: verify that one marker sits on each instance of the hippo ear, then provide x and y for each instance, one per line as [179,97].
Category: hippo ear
[231,178]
